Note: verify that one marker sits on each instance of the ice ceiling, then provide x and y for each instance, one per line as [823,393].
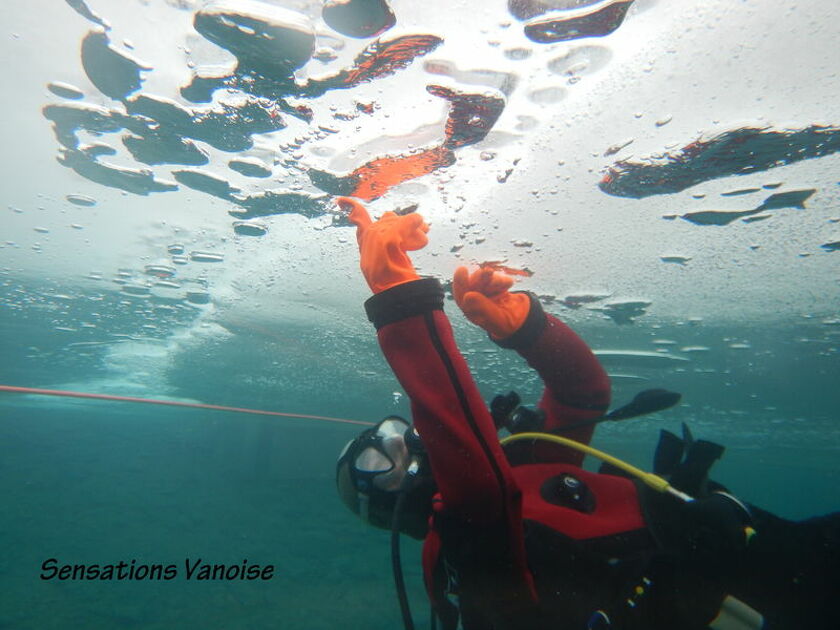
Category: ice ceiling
[633,161]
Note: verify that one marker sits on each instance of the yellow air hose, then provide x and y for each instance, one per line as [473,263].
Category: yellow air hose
[733,614]
[649,479]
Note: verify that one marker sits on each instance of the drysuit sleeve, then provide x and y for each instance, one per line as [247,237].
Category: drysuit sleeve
[471,472]
[577,387]
[481,502]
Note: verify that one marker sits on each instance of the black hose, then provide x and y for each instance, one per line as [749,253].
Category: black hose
[396,564]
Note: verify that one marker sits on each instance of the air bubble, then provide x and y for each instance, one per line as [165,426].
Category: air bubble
[209,257]
[547,95]
[198,297]
[65,90]
[136,290]
[250,228]
[81,200]
[159,271]
[679,260]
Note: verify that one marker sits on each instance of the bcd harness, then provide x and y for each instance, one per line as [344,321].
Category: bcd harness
[685,462]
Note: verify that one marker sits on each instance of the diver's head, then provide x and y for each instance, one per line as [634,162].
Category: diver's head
[370,471]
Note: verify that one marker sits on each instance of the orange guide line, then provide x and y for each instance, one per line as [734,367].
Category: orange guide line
[170,403]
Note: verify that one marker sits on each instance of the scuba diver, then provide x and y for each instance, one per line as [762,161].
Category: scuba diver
[519,535]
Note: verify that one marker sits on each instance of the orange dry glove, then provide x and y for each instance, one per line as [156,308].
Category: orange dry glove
[383,244]
[485,300]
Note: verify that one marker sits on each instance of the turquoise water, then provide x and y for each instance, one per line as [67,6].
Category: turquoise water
[110,483]
[90,482]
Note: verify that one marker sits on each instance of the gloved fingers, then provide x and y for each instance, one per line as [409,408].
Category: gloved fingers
[413,231]
[484,280]
[497,284]
[358,214]
[464,282]
[478,308]
[460,284]
[480,279]
[500,314]
[490,282]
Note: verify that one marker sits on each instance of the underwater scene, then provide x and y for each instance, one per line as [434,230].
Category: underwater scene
[186,348]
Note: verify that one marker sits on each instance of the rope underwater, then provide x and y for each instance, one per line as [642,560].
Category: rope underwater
[172,403]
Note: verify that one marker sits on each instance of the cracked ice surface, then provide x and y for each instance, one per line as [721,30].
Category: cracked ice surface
[556,139]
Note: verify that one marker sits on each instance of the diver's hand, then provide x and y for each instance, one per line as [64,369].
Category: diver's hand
[383,244]
[484,298]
